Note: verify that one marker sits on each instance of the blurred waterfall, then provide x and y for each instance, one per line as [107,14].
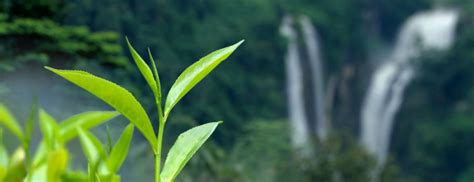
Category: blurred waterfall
[311,41]
[428,30]
[298,55]
[294,76]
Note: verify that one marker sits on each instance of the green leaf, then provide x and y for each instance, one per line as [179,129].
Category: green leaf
[155,73]
[16,169]
[75,176]
[50,129]
[3,173]
[109,178]
[39,174]
[30,124]
[109,139]
[68,129]
[29,129]
[91,147]
[143,67]
[7,119]
[158,85]
[86,120]
[57,163]
[40,154]
[117,97]
[185,147]
[120,150]
[194,74]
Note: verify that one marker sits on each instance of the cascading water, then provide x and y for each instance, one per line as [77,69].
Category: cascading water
[296,104]
[311,41]
[295,59]
[428,30]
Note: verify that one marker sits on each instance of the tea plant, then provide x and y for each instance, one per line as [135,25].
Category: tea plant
[51,158]
[124,102]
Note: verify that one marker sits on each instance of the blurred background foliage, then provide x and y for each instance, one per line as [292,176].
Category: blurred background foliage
[432,138]
[31,31]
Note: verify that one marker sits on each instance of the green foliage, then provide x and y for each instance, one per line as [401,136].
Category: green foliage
[86,120]
[48,41]
[51,159]
[49,38]
[145,70]
[114,95]
[180,31]
[263,154]
[334,160]
[194,74]
[120,150]
[103,165]
[93,149]
[185,147]
[124,102]
[50,130]
[10,122]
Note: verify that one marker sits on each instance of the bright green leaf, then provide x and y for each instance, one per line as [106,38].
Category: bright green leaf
[16,169]
[85,121]
[30,123]
[185,147]
[3,173]
[194,74]
[76,176]
[109,139]
[68,129]
[40,154]
[50,129]
[156,76]
[57,163]
[120,150]
[155,73]
[144,69]
[117,97]
[39,174]
[158,97]
[93,177]
[91,147]
[109,178]
[7,119]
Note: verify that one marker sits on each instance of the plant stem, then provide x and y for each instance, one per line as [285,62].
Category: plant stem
[159,139]
[158,153]
[157,168]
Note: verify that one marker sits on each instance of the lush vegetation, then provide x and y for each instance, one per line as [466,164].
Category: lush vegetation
[26,37]
[51,158]
[432,137]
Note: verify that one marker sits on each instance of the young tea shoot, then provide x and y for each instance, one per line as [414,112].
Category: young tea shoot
[124,102]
